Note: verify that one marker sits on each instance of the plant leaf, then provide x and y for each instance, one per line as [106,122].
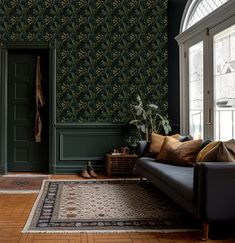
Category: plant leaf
[139,112]
[142,128]
[153,106]
[135,122]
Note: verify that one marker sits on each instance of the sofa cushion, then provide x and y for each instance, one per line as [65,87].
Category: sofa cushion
[208,152]
[205,143]
[177,177]
[157,141]
[185,138]
[218,152]
[176,152]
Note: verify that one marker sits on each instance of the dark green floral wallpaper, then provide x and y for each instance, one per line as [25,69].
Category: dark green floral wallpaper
[108,51]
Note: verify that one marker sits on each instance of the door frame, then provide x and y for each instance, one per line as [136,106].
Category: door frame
[206,35]
[213,31]
[4,48]
[184,84]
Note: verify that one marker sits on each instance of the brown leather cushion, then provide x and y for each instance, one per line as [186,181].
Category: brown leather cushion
[175,152]
[218,152]
[229,152]
[157,141]
[208,152]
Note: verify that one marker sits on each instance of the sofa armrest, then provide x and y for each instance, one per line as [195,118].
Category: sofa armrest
[142,147]
[216,191]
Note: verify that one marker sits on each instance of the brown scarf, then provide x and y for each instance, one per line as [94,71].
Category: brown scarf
[40,101]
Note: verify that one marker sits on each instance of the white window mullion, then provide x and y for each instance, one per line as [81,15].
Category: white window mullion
[184,114]
[208,94]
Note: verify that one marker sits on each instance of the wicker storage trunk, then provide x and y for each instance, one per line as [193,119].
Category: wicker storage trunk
[120,164]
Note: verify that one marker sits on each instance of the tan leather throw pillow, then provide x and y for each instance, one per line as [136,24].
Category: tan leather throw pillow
[180,153]
[157,141]
[209,152]
[218,152]
[227,152]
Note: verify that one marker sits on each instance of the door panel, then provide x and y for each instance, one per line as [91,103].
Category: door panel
[23,153]
[224,85]
[196,83]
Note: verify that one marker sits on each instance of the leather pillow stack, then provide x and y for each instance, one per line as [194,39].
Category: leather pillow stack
[182,150]
[218,151]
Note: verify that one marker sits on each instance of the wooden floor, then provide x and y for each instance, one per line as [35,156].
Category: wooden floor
[14,211]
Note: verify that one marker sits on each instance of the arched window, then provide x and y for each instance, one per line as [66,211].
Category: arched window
[207,69]
[199,9]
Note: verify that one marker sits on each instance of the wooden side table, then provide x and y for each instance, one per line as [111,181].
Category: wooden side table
[120,164]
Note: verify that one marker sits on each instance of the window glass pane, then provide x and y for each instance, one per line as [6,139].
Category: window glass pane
[224,128]
[196,90]
[202,9]
[224,83]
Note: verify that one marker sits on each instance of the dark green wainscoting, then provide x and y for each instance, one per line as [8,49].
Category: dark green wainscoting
[76,144]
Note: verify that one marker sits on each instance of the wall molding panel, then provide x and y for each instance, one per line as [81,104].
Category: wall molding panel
[79,143]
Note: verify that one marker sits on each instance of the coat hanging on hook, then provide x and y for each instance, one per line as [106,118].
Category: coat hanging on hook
[40,101]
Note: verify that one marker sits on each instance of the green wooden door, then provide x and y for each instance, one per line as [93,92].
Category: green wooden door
[23,153]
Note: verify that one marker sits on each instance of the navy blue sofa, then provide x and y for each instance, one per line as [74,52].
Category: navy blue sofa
[206,191]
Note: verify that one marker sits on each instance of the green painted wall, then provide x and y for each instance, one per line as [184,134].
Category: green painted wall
[174,11]
[107,52]
[76,144]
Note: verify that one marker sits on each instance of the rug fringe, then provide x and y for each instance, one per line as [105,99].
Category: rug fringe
[114,179]
[24,231]
[34,207]
[26,175]
[19,192]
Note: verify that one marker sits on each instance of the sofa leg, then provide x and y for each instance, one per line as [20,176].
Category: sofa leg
[205,231]
[141,179]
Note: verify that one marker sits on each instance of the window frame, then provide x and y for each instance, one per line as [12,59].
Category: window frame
[204,30]
[191,7]
[218,16]
[217,29]
[184,84]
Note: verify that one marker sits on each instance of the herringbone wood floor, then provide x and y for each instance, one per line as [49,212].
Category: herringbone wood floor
[14,210]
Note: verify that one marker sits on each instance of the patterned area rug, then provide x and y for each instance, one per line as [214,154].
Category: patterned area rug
[104,206]
[11,184]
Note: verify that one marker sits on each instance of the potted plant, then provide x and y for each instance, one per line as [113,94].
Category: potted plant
[148,119]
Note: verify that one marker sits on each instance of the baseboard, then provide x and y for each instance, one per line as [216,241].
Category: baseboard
[77,169]
[2,170]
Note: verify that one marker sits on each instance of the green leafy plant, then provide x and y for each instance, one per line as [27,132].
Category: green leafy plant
[148,119]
